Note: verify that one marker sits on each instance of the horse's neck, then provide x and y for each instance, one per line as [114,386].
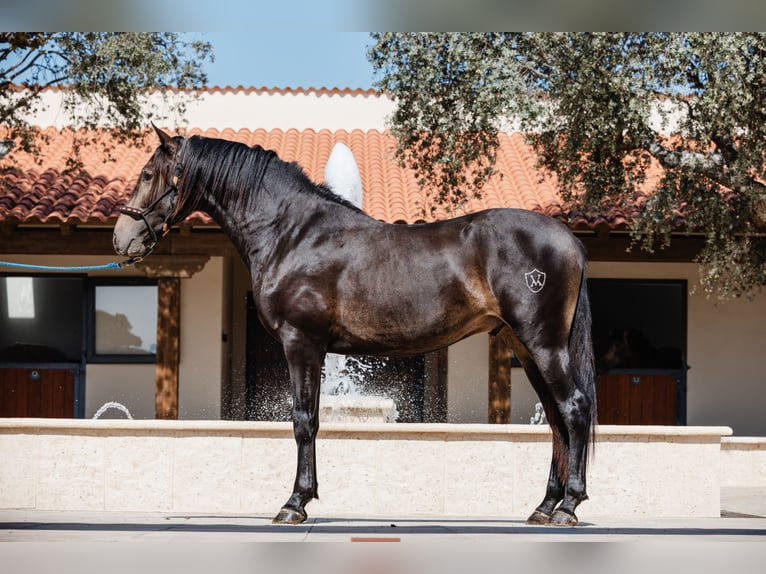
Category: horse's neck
[273,218]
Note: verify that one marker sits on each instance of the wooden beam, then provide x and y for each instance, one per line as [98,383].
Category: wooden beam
[98,241]
[84,240]
[499,404]
[168,348]
[617,247]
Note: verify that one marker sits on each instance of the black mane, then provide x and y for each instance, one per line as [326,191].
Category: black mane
[235,172]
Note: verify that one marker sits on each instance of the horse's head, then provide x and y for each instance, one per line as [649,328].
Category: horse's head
[150,208]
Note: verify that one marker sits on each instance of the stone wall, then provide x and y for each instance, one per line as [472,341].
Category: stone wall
[364,469]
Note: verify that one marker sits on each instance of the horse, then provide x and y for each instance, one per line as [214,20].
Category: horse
[631,349]
[327,277]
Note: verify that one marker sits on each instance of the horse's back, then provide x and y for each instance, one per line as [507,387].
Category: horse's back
[432,284]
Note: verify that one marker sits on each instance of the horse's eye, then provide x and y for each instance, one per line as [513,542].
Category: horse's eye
[146,175]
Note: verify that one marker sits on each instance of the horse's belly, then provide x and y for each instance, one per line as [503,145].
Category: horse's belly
[403,333]
[414,301]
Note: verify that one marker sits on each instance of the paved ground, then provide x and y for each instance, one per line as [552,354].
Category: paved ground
[167,537]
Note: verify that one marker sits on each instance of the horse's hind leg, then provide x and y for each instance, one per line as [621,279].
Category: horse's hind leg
[575,411]
[569,413]
[305,364]
[554,491]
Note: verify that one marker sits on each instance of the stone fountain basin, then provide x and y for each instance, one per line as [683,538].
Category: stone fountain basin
[357,409]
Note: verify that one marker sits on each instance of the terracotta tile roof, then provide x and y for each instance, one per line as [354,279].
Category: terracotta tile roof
[240,89]
[46,193]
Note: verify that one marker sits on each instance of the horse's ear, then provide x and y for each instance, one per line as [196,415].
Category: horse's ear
[164,137]
[166,140]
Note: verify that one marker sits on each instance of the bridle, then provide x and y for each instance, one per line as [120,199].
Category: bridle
[141,214]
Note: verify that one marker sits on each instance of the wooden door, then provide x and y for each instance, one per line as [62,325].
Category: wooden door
[36,392]
[637,399]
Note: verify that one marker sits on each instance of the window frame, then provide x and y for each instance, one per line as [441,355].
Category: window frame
[114,358]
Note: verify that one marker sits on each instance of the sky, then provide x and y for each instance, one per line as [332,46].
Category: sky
[308,16]
[323,43]
[392,15]
[265,59]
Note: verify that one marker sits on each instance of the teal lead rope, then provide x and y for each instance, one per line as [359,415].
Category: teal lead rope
[113,265]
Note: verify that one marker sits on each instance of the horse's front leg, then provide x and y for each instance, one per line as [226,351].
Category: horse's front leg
[304,359]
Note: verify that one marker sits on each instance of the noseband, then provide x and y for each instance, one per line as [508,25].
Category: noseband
[140,215]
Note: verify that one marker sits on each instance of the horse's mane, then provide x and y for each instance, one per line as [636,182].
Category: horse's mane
[235,172]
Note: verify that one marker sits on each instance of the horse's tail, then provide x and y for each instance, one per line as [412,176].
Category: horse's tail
[581,360]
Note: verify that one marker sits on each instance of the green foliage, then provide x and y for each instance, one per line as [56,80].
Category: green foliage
[448,109]
[105,79]
[600,109]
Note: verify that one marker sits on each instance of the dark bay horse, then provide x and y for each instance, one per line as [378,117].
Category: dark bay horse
[329,278]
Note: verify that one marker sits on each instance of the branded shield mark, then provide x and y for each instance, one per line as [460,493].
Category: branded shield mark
[535,280]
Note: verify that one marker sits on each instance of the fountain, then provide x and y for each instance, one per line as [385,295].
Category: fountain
[341,174]
[112,405]
[341,396]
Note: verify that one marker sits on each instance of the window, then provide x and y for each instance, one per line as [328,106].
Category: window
[41,319]
[20,295]
[639,323]
[123,321]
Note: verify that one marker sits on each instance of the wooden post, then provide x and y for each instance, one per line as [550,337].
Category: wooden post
[499,411]
[169,270]
[168,350]
[435,391]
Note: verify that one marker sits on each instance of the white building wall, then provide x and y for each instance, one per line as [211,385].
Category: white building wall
[201,343]
[253,109]
[726,381]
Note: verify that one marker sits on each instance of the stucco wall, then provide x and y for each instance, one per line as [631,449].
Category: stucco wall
[130,385]
[267,110]
[199,394]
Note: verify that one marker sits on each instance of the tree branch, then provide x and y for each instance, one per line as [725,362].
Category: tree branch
[713,166]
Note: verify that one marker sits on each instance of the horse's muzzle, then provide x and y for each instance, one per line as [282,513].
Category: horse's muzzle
[131,238]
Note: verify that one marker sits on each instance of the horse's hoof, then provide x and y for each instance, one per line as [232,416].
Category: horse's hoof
[563,518]
[289,516]
[538,518]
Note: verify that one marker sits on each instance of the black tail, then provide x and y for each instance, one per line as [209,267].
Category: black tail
[581,357]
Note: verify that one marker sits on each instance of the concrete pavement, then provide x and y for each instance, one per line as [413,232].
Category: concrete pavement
[739,535]
[49,526]
[743,517]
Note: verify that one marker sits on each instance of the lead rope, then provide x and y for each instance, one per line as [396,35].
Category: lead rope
[114,265]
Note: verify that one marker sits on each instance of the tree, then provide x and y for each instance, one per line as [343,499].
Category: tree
[600,109]
[106,78]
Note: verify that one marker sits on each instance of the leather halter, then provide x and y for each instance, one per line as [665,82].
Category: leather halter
[141,214]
